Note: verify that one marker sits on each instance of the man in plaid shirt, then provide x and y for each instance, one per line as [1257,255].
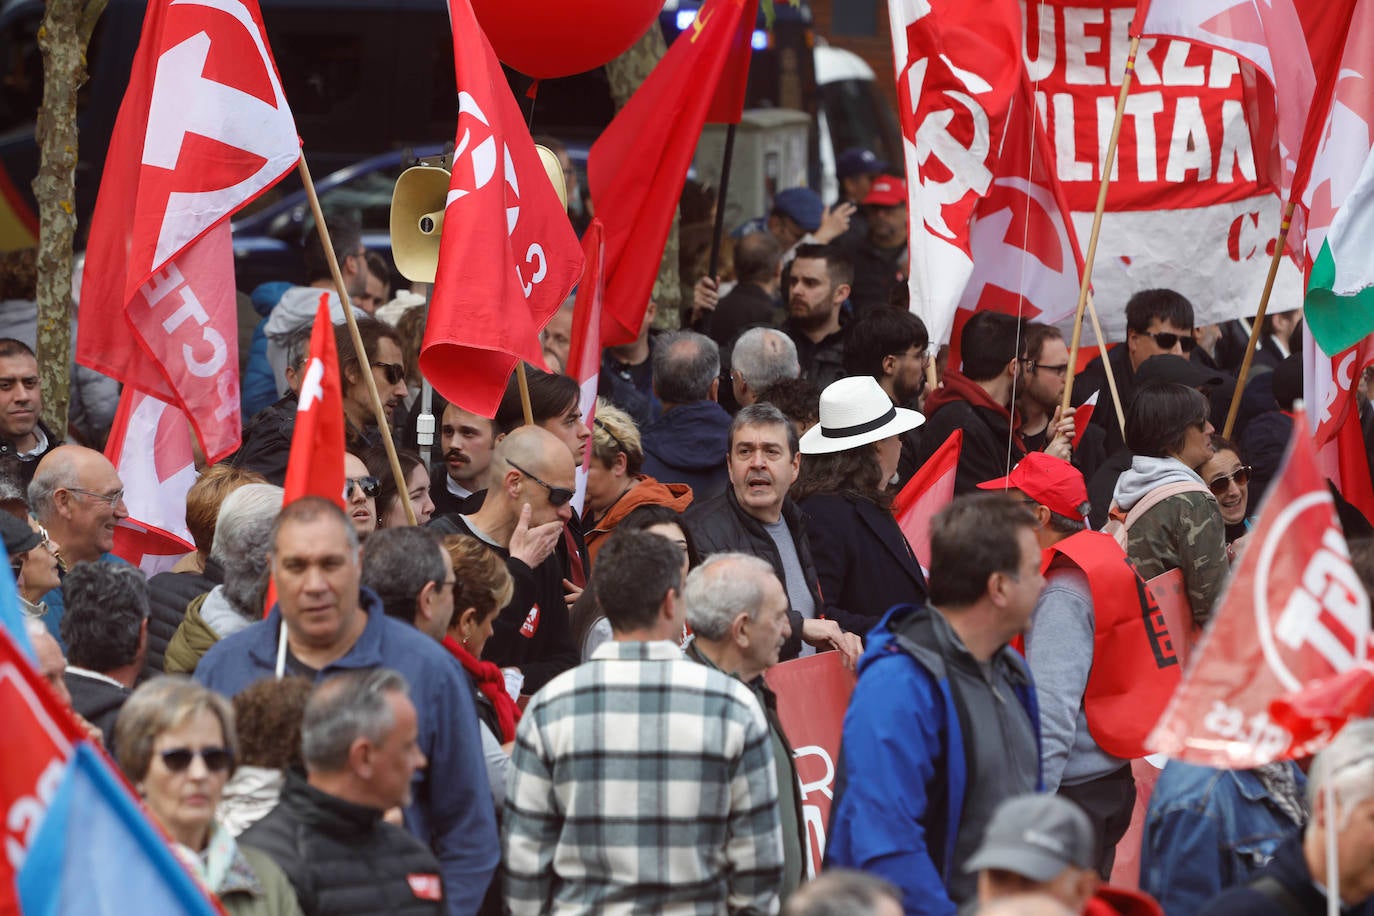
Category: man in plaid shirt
[642,782]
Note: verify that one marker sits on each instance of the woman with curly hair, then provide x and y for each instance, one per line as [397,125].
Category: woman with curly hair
[863,562]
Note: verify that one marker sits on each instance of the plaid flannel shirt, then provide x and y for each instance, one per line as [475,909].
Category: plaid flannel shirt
[642,782]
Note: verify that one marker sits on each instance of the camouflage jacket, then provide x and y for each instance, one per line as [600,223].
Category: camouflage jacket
[1186,532]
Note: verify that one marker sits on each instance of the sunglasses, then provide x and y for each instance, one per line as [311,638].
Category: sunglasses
[558,496]
[370,486]
[1222,482]
[1061,370]
[216,759]
[1167,340]
[394,372]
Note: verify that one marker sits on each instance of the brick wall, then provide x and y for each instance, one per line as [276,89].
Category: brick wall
[876,50]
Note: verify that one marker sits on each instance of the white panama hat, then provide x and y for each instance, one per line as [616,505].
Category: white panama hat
[856,411]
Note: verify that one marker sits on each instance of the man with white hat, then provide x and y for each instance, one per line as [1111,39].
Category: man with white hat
[1098,649]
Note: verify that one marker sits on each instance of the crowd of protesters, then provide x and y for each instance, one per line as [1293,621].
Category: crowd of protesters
[516,706]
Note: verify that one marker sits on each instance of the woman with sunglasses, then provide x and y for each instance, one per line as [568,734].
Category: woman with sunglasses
[176,743]
[391,512]
[360,495]
[1229,480]
[34,560]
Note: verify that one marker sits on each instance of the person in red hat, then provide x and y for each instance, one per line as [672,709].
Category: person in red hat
[880,257]
[1097,648]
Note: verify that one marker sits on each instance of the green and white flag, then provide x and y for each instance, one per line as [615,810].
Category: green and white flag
[1340,291]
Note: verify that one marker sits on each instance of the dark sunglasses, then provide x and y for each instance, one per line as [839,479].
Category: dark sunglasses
[1167,340]
[371,486]
[1222,482]
[394,372]
[216,759]
[558,496]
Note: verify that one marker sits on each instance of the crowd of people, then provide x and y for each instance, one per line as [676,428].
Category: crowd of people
[513,705]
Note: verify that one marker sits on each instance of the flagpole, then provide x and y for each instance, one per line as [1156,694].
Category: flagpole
[1083,288]
[1333,873]
[524,392]
[1111,376]
[719,230]
[383,422]
[1259,317]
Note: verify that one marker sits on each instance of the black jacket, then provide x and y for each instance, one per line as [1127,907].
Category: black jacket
[986,452]
[267,441]
[746,306]
[821,362]
[343,858]
[97,702]
[1283,888]
[863,562]
[720,525]
[1094,378]
[168,595]
[23,468]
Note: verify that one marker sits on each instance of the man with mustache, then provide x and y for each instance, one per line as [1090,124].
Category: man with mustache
[466,441]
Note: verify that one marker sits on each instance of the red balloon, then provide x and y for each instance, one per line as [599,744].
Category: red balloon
[552,38]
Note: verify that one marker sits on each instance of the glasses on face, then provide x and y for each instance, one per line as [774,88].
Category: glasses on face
[394,372]
[558,496]
[216,759]
[1167,340]
[111,499]
[1222,482]
[370,486]
[1060,370]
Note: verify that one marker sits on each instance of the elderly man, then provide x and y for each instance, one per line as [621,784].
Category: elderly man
[106,632]
[522,519]
[754,515]
[77,496]
[761,357]
[325,622]
[738,614]
[591,825]
[328,834]
[412,574]
[685,443]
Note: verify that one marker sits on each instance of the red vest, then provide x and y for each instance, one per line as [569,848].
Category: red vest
[1135,668]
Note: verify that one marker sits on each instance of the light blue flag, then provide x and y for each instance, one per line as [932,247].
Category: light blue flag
[11,617]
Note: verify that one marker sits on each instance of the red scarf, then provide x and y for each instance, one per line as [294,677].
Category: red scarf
[491,682]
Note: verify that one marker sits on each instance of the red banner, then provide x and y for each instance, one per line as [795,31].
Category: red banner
[813,693]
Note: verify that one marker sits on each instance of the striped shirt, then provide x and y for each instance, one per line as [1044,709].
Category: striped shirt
[642,782]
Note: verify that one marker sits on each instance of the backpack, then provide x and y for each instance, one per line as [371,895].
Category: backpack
[1119,523]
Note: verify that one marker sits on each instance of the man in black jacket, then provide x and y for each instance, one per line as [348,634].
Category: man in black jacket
[327,833]
[24,440]
[755,516]
[105,628]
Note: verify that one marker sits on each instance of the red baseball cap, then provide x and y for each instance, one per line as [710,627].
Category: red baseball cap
[1050,481]
[888,191]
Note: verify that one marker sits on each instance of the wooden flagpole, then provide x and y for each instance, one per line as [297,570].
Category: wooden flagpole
[1259,318]
[1086,285]
[1111,376]
[383,422]
[524,392]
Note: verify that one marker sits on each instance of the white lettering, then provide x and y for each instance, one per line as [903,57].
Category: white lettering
[1071,168]
[190,308]
[161,283]
[535,253]
[1145,72]
[1141,109]
[218,350]
[1078,45]
[1041,65]
[1177,72]
[1330,590]
[1225,67]
[1106,116]
[25,816]
[1189,147]
[1119,42]
[1236,151]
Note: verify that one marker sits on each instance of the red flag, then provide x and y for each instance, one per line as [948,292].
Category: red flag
[1294,613]
[1082,416]
[1330,386]
[316,464]
[928,491]
[1316,713]
[203,129]
[39,735]
[637,167]
[508,255]
[150,447]
[584,350]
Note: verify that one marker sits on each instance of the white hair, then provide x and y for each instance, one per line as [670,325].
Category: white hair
[721,589]
[1348,764]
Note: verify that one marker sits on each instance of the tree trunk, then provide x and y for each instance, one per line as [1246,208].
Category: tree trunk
[63,39]
[625,75]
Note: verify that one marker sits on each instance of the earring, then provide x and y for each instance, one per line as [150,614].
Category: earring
[465,640]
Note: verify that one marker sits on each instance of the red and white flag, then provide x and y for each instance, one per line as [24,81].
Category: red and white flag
[584,350]
[638,165]
[150,446]
[928,491]
[508,256]
[1082,416]
[1330,387]
[1314,714]
[1293,614]
[204,128]
[316,463]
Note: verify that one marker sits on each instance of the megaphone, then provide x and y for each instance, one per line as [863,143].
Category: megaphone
[417,219]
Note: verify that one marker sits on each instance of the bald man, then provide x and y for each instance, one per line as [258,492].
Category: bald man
[76,494]
[530,486]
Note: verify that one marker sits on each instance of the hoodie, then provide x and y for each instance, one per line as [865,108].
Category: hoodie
[209,619]
[259,383]
[645,492]
[1184,531]
[960,403]
[295,310]
[687,445]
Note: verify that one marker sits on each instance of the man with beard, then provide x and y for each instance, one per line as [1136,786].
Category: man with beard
[382,356]
[1044,370]
[891,344]
[818,284]
[466,441]
[878,259]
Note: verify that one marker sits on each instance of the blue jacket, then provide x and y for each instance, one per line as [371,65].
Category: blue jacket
[902,774]
[452,811]
[687,445]
[1207,830]
[259,382]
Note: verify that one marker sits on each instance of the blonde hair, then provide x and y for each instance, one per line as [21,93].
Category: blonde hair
[614,432]
[481,579]
[159,705]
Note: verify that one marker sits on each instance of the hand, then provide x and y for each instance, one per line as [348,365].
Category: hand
[1061,435]
[834,222]
[532,546]
[570,593]
[826,634]
[705,296]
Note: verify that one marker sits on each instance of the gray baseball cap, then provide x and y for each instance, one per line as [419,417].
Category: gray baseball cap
[1036,836]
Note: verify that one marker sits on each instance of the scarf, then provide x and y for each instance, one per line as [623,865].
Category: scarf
[492,683]
[211,866]
[1278,780]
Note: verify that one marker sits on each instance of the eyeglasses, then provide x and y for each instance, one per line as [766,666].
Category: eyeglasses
[370,486]
[394,372]
[216,759]
[1167,340]
[1222,482]
[1061,370]
[558,496]
[112,499]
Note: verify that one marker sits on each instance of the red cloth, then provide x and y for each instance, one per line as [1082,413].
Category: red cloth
[491,682]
